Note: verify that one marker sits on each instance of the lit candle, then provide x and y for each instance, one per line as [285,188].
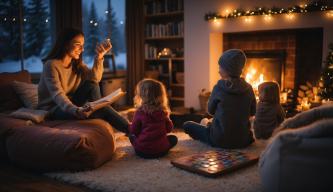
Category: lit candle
[283,97]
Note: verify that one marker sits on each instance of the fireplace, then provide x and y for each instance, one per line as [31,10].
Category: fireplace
[290,57]
[264,65]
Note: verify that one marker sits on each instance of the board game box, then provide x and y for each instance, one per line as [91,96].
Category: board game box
[216,162]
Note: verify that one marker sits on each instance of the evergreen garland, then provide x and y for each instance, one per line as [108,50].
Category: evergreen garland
[311,7]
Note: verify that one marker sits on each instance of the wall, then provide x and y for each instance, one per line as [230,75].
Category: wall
[201,69]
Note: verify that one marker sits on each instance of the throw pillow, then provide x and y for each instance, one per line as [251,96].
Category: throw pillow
[27,92]
[9,100]
[36,116]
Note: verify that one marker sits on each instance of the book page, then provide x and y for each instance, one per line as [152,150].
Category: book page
[107,100]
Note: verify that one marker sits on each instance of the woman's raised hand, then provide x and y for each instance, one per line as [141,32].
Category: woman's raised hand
[103,48]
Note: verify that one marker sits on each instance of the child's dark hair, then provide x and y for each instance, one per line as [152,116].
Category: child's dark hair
[151,96]
[269,92]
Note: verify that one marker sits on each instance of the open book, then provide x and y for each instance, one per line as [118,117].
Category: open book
[105,101]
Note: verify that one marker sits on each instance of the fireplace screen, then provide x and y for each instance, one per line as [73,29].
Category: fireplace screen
[264,66]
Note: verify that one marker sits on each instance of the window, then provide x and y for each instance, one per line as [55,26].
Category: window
[104,19]
[36,41]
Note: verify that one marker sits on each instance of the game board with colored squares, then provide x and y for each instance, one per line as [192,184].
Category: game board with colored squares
[215,163]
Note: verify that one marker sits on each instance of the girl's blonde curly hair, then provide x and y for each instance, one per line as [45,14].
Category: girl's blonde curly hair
[151,96]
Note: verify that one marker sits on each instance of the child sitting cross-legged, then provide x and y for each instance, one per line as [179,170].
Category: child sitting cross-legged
[231,103]
[151,122]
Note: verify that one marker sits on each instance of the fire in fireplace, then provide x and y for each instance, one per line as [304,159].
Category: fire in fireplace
[264,65]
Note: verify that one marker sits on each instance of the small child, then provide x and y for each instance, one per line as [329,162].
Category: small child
[151,122]
[269,113]
[231,103]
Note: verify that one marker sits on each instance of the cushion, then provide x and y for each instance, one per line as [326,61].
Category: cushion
[7,125]
[9,100]
[27,92]
[307,117]
[62,145]
[299,159]
[37,116]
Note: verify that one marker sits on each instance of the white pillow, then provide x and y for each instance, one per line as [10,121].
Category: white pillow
[36,116]
[27,92]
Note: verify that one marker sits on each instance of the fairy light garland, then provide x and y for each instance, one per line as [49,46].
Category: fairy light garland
[311,7]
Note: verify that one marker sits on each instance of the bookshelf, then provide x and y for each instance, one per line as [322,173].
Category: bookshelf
[164,46]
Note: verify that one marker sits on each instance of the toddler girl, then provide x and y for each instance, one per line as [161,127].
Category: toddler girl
[151,122]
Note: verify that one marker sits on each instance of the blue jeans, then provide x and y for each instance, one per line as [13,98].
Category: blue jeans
[197,131]
[90,91]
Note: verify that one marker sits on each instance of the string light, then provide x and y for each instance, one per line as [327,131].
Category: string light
[310,7]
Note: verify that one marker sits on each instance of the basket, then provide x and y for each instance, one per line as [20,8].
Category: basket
[203,99]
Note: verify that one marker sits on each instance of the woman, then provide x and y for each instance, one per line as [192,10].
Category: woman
[66,83]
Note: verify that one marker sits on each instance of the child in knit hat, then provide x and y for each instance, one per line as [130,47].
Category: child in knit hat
[269,112]
[231,103]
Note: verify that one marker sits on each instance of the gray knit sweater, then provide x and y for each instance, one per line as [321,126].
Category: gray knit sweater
[58,83]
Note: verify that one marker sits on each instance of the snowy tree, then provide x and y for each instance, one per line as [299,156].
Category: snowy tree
[85,18]
[9,29]
[36,27]
[93,31]
[111,28]
[122,47]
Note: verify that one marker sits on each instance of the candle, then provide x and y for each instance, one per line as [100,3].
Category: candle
[283,97]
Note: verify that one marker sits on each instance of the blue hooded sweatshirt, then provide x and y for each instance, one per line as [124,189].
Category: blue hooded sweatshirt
[232,102]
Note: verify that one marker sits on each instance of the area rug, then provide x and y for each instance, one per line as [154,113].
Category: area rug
[128,172]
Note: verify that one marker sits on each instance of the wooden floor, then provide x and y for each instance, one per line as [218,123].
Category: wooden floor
[13,179]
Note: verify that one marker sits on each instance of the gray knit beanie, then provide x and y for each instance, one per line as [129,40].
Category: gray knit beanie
[233,61]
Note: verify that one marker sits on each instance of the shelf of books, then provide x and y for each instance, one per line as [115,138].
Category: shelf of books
[164,46]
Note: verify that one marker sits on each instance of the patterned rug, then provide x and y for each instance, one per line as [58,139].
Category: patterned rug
[128,172]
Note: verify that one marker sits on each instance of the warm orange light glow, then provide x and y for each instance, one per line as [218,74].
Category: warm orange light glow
[248,20]
[283,97]
[268,18]
[330,14]
[254,79]
[290,16]
[216,22]
[305,105]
